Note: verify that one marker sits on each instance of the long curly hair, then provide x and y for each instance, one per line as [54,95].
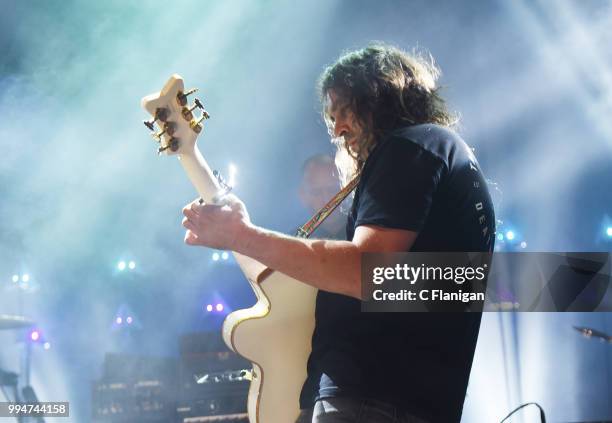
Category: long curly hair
[386,88]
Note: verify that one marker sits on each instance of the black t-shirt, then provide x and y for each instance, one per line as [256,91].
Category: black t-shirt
[422,178]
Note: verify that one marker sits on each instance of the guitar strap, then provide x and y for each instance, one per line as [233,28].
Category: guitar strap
[309,227]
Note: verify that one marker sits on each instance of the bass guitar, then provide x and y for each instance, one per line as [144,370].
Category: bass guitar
[275,333]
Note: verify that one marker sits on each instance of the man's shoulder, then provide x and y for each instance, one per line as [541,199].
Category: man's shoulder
[426,132]
[440,141]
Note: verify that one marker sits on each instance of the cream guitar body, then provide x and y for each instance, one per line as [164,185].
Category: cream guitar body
[274,334]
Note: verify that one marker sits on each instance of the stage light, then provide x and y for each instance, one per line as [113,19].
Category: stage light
[215,256]
[232,175]
[15,278]
[523,244]
[209,308]
[500,237]
[46,345]
[129,320]
[132,265]
[609,231]
[121,265]
[119,320]
[510,235]
[225,255]
[35,335]
[25,278]
[219,307]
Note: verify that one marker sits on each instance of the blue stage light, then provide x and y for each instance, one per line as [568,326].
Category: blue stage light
[224,255]
[500,237]
[121,265]
[209,308]
[25,278]
[15,278]
[215,256]
[510,235]
[132,265]
[609,231]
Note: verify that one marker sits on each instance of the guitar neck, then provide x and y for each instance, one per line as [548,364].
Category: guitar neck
[211,192]
[178,130]
[201,176]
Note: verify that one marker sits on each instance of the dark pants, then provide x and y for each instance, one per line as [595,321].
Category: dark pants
[351,410]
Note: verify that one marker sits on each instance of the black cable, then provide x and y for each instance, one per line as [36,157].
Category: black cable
[542,414]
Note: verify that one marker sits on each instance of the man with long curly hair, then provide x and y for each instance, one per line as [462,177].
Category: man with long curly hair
[420,189]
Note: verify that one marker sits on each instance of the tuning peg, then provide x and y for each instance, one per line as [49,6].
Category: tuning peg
[161,114]
[173,145]
[169,128]
[196,125]
[188,112]
[157,136]
[181,97]
[204,116]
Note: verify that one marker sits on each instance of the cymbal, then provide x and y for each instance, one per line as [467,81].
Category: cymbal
[8,321]
[594,333]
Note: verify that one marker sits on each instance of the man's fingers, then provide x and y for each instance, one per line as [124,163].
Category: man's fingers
[196,206]
[188,224]
[219,220]
[191,238]
[189,208]
[189,213]
[195,209]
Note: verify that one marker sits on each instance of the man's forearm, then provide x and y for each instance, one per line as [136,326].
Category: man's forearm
[333,266]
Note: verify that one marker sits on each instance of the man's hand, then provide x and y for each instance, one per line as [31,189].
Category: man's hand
[216,226]
[333,266]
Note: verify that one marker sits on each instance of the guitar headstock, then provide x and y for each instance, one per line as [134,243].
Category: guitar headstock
[174,124]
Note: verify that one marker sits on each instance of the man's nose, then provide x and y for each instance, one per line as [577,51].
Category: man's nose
[340,129]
